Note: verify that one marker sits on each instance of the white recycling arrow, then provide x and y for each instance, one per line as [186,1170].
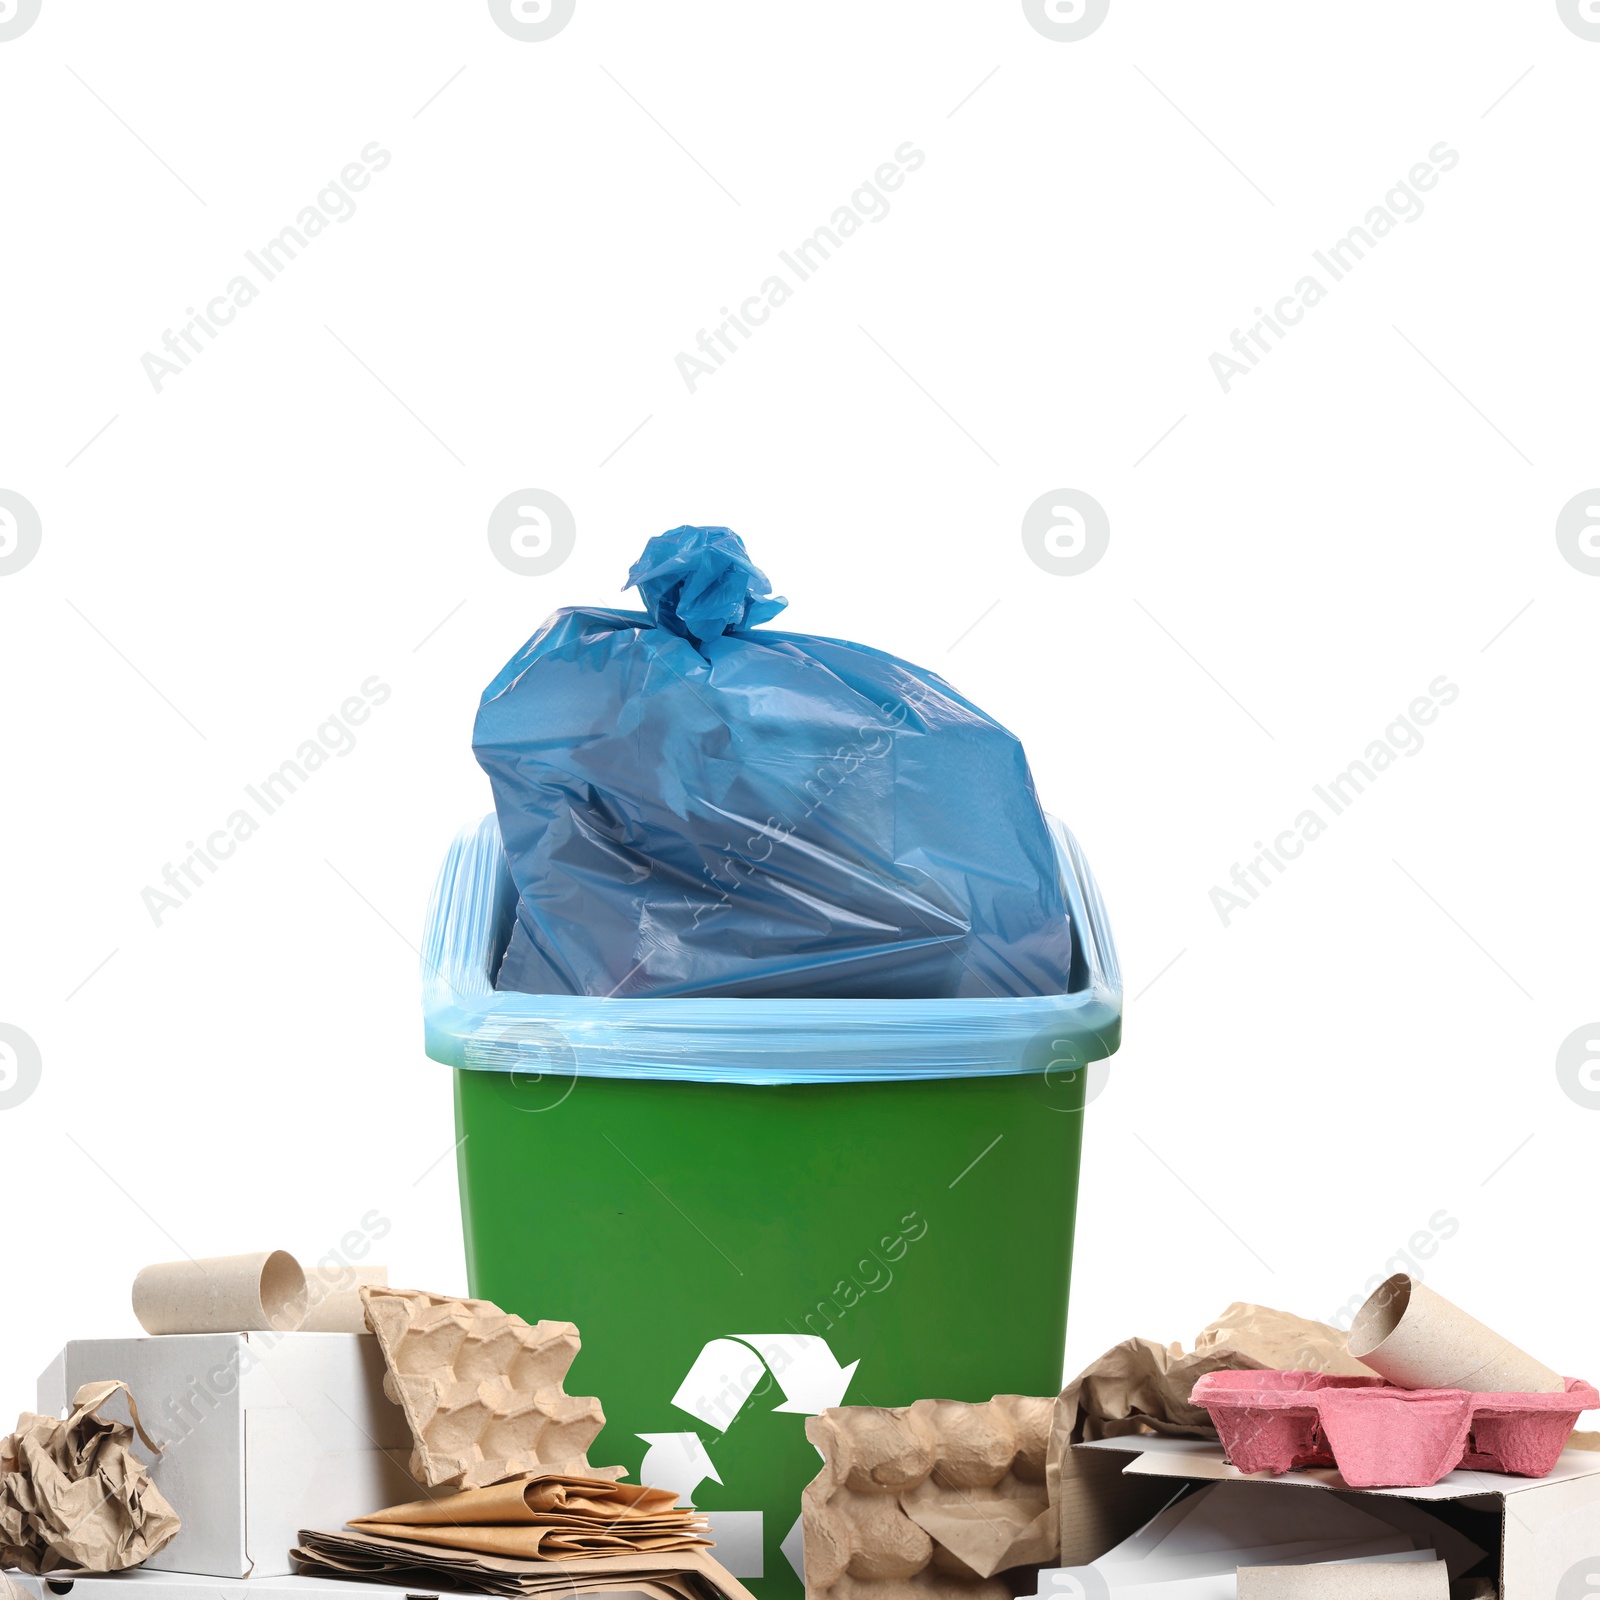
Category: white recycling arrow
[726,1372]
[720,1381]
[794,1549]
[676,1461]
[811,1379]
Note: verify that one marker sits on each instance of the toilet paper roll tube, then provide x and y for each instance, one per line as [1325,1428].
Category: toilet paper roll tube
[223,1294]
[1419,1340]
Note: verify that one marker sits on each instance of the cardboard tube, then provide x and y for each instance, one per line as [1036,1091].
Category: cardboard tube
[1418,1340]
[1367,1580]
[333,1298]
[225,1294]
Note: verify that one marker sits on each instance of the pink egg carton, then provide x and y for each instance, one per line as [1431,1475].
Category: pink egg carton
[1379,1436]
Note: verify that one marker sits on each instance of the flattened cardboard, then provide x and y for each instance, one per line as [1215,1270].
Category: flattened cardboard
[255,1293]
[1198,1460]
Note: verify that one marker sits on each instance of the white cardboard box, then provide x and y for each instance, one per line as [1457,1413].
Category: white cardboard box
[263,1434]
[1549,1527]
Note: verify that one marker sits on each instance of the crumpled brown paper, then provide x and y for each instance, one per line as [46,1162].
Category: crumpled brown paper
[1140,1386]
[73,1493]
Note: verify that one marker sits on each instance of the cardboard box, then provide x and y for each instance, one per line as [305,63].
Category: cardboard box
[1542,1528]
[263,1434]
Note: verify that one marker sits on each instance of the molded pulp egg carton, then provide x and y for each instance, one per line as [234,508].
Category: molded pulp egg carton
[1381,1436]
[928,1500]
[480,1388]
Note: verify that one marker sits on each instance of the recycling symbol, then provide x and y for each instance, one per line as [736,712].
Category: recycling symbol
[725,1374]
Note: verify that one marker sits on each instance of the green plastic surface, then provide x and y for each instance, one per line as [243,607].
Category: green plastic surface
[924,1229]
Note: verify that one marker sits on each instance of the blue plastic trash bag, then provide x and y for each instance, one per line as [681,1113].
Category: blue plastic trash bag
[693,805]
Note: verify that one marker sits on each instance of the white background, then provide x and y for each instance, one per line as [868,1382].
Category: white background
[1371,1045]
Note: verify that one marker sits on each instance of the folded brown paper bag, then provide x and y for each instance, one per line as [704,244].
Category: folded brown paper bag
[547,1515]
[681,1575]
[531,1499]
[73,1493]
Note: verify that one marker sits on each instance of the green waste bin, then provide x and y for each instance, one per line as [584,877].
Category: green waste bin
[739,1251]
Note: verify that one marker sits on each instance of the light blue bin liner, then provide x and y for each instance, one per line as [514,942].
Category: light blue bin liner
[467,1023]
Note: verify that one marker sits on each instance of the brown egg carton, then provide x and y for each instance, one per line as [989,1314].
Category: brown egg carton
[481,1389]
[927,1501]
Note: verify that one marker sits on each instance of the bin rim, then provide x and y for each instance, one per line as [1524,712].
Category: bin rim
[470,1025]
